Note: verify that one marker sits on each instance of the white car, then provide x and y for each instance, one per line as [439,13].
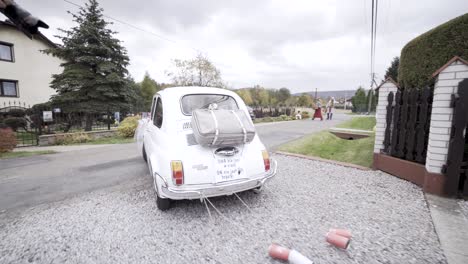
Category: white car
[183,169]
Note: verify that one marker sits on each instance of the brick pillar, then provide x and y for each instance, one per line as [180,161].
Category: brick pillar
[381,113]
[442,114]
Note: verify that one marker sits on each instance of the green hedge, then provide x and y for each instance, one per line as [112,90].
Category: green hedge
[425,54]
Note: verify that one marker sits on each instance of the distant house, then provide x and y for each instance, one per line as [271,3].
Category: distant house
[25,72]
[349,103]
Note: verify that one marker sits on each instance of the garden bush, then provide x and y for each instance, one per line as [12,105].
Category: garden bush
[425,54]
[74,138]
[15,123]
[284,117]
[305,115]
[128,126]
[7,140]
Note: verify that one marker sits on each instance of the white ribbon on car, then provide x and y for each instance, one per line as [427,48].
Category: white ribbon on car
[242,125]
[216,127]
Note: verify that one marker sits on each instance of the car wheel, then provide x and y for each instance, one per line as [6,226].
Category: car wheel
[163,203]
[257,190]
[144,154]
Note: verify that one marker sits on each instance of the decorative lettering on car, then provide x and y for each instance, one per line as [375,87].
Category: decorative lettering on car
[186,125]
[199,167]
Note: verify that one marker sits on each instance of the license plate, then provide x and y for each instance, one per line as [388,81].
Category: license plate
[228,169]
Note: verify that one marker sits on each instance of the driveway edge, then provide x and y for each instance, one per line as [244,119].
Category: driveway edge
[340,163]
[451,227]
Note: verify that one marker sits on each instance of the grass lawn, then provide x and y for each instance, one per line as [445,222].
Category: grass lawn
[361,122]
[328,146]
[20,154]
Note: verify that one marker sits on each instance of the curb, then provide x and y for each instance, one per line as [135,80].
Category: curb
[340,163]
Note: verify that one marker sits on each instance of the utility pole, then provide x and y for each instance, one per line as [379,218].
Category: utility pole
[345,100]
[371,92]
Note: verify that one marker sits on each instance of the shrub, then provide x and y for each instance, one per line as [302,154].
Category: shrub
[128,126]
[17,113]
[15,122]
[425,54]
[305,114]
[7,140]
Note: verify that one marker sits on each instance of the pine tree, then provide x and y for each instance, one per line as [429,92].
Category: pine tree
[148,88]
[94,68]
[392,71]
[359,101]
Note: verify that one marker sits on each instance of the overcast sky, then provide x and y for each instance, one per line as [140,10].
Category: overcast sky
[302,45]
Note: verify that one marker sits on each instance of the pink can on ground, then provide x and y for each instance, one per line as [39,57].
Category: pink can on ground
[342,232]
[337,240]
[292,256]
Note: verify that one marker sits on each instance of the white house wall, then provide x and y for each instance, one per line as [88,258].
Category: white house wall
[31,68]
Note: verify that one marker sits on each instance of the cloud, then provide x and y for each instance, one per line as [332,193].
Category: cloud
[299,44]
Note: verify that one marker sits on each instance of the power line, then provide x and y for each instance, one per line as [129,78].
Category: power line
[372,40]
[375,38]
[135,27]
[375,7]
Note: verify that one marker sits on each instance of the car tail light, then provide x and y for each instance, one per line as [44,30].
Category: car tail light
[266,160]
[177,172]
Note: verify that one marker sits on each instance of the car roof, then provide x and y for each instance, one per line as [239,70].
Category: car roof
[184,90]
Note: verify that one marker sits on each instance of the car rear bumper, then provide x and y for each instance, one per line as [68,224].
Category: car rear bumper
[225,188]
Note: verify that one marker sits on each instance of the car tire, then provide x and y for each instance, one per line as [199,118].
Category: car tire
[145,158]
[163,204]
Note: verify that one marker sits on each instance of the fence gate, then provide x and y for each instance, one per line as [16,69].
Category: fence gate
[18,118]
[407,124]
[456,168]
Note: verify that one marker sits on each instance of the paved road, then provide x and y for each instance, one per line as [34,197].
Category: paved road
[26,182]
[274,134]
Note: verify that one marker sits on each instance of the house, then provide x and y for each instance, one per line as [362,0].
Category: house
[25,72]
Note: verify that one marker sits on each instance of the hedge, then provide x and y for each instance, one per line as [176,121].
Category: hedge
[15,122]
[422,56]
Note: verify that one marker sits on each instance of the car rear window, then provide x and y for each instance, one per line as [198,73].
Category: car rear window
[196,101]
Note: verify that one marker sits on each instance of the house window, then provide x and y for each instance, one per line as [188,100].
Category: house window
[6,51]
[8,88]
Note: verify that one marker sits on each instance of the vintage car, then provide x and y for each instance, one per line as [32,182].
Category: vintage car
[183,169]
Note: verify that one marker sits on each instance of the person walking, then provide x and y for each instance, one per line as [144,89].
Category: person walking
[318,111]
[298,115]
[330,107]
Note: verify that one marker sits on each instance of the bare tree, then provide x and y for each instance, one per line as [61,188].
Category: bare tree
[199,71]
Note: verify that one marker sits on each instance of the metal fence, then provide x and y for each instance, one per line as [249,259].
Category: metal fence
[29,123]
[15,117]
[407,124]
[53,121]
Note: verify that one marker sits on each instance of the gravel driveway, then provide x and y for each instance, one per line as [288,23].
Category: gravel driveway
[389,219]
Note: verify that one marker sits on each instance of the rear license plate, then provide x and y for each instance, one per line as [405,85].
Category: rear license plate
[228,169]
